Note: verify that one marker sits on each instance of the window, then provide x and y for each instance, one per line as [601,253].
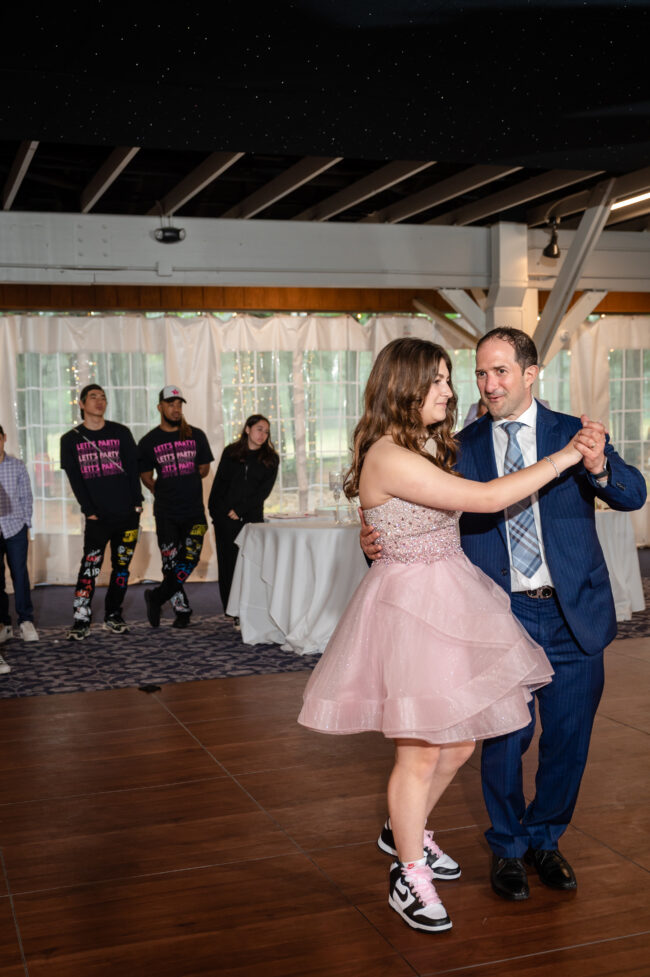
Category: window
[312,400]
[554,385]
[629,403]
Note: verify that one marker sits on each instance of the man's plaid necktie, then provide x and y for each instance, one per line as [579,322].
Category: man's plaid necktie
[524,544]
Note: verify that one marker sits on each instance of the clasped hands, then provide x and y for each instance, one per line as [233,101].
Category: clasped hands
[590,442]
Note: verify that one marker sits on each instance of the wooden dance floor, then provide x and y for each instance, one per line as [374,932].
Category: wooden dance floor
[200,831]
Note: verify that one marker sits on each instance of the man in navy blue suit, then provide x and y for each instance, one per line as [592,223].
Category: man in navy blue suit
[545,553]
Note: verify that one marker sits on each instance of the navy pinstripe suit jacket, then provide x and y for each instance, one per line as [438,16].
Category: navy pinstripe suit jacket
[567,514]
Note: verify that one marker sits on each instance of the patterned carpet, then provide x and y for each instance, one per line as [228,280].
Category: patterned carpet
[210,648]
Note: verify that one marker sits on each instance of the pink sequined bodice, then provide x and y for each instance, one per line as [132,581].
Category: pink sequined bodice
[412,533]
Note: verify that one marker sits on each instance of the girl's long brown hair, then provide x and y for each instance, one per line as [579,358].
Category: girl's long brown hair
[398,383]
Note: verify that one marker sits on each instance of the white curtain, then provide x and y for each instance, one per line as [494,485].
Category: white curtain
[590,350]
[192,348]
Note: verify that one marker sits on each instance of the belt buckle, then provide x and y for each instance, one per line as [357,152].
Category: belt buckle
[541,593]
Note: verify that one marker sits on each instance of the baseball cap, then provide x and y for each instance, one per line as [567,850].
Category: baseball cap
[170,392]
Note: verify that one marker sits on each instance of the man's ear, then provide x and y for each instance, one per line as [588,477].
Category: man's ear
[530,375]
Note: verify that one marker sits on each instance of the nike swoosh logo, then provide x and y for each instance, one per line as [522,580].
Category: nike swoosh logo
[403,894]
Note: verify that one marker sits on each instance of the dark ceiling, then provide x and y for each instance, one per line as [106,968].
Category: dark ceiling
[528,89]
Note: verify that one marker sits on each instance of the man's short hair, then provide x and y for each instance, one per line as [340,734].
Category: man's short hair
[524,347]
[2,430]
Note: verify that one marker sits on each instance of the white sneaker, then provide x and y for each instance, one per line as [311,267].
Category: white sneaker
[4,668]
[28,632]
[412,894]
[6,632]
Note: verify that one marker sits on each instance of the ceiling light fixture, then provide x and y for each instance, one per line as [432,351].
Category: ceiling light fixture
[631,200]
[552,249]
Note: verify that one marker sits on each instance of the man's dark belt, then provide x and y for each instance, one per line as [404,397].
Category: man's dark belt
[540,593]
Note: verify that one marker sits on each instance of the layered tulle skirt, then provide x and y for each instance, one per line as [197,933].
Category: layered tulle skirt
[426,651]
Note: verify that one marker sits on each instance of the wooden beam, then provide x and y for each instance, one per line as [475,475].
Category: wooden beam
[19,168]
[106,175]
[450,328]
[300,173]
[624,186]
[520,193]
[368,186]
[439,193]
[194,182]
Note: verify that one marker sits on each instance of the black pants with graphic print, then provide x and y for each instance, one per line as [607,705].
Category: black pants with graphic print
[180,542]
[122,535]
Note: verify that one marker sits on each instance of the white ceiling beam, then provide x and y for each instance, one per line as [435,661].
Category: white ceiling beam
[514,196]
[300,173]
[473,315]
[204,174]
[439,193]
[585,239]
[451,329]
[368,186]
[573,319]
[624,186]
[19,168]
[105,175]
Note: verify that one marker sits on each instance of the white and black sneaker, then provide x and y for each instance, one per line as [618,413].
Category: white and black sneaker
[413,895]
[442,866]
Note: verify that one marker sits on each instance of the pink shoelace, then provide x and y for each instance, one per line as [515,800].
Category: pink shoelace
[419,878]
[430,843]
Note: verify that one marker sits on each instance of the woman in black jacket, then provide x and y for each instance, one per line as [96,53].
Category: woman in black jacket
[245,476]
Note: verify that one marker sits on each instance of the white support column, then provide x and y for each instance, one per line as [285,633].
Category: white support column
[572,321]
[510,303]
[585,239]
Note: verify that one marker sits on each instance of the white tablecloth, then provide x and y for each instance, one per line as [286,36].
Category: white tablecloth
[293,580]
[616,536]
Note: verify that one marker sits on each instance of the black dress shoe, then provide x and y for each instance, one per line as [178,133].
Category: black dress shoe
[509,879]
[552,868]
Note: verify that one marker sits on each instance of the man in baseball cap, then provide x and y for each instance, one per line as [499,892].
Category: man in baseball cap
[173,459]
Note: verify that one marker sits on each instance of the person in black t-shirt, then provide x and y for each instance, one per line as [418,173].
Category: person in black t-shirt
[180,456]
[100,459]
[245,476]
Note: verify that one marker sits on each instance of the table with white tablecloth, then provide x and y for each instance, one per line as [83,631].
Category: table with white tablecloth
[616,535]
[293,580]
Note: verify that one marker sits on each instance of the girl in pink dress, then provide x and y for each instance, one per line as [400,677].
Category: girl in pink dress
[427,650]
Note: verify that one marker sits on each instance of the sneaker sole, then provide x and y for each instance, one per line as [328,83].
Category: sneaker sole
[441,927]
[443,875]
[107,627]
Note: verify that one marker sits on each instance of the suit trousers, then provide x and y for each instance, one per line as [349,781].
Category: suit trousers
[567,707]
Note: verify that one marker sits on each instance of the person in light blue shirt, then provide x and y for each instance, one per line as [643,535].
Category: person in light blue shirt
[15,520]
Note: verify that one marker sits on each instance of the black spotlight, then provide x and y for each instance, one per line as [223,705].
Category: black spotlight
[552,249]
[169,235]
